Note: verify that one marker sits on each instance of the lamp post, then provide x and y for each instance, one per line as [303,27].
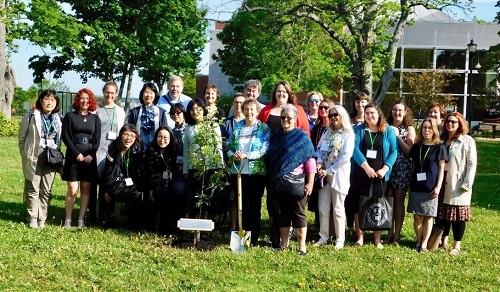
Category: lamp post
[471,48]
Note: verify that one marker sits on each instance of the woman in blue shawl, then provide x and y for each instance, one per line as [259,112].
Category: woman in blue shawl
[290,151]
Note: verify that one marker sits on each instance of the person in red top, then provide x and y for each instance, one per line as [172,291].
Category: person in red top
[270,114]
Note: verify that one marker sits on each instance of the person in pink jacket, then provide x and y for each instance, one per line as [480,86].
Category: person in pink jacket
[270,114]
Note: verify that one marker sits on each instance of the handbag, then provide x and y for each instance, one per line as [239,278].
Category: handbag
[291,185]
[117,188]
[375,212]
[53,157]
[319,182]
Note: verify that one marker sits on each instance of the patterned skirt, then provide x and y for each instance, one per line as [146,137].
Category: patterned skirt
[454,213]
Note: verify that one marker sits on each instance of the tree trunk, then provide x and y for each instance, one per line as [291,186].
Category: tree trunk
[129,86]
[7,78]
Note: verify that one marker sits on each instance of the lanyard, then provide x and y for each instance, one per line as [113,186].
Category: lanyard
[126,160]
[372,140]
[112,118]
[423,159]
[47,126]
[163,159]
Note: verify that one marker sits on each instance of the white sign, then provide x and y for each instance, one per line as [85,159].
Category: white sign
[195,224]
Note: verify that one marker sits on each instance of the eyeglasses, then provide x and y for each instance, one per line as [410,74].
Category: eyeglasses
[450,121]
[324,108]
[175,113]
[129,135]
[334,115]
[286,118]
[316,100]
[163,137]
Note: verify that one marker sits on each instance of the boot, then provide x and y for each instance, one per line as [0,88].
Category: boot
[435,238]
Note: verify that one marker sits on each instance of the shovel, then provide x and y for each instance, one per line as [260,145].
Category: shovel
[239,238]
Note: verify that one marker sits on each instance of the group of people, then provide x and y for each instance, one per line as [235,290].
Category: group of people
[325,157]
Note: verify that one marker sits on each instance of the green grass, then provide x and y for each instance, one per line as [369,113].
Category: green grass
[97,259]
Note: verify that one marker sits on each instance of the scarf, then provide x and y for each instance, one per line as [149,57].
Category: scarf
[50,124]
[288,150]
[147,124]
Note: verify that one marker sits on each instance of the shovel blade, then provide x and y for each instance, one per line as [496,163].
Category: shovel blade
[237,242]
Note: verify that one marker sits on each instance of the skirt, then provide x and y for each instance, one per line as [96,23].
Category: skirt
[454,213]
[420,203]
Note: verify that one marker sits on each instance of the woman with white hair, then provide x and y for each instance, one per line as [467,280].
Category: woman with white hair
[334,161]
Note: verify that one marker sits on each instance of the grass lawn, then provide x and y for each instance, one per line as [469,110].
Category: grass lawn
[98,259]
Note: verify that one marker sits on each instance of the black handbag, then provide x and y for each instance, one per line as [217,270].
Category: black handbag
[291,185]
[117,187]
[53,157]
[319,182]
[375,212]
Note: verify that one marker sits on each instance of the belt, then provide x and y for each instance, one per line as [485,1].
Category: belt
[81,140]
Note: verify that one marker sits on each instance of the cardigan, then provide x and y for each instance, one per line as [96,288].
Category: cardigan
[390,145]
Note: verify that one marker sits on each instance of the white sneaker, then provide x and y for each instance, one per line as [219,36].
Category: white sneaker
[41,224]
[339,246]
[67,223]
[33,224]
[80,224]
[319,243]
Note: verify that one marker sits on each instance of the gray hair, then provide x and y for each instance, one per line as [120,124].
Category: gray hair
[173,78]
[253,83]
[345,119]
[289,109]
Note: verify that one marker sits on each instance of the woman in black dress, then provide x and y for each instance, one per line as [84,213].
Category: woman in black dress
[81,132]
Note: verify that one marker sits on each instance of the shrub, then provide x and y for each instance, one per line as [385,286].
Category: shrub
[8,127]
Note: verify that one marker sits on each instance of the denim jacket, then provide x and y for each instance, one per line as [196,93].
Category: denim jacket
[259,143]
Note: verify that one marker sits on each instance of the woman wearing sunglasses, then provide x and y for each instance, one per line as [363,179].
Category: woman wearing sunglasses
[314,99]
[334,161]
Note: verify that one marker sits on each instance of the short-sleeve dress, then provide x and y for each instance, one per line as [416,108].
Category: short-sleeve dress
[401,172]
[425,160]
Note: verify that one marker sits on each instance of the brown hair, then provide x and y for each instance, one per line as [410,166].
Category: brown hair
[408,117]
[359,96]
[291,96]
[463,128]
[435,135]
[381,123]
[442,110]
[92,99]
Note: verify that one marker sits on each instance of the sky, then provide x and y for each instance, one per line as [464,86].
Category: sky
[218,10]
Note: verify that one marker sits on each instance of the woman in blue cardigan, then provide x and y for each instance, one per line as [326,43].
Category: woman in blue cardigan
[375,152]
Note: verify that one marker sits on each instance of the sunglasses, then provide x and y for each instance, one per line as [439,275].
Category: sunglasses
[286,118]
[324,108]
[175,113]
[316,100]
[334,115]
[450,121]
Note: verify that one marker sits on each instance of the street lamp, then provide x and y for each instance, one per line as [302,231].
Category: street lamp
[471,48]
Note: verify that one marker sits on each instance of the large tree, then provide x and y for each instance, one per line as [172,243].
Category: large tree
[370,34]
[258,47]
[110,40]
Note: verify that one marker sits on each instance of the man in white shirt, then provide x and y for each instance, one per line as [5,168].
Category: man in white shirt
[173,96]
[252,91]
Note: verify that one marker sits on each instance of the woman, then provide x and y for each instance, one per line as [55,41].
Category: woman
[317,131]
[460,173]
[437,111]
[314,98]
[282,95]
[428,155]
[290,152]
[401,121]
[178,115]
[228,128]
[247,146]
[197,136]
[357,114]
[147,117]
[334,154]
[161,168]
[124,152]
[212,96]
[375,152]
[112,119]
[81,133]
[39,129]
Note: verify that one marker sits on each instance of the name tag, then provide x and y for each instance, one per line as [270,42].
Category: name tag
[372,154]
[129,182]
[111,135]
[51,143]
[167,174]
[421,176]
[42,142]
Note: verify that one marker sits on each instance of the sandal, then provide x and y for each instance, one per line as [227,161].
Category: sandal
[454,252]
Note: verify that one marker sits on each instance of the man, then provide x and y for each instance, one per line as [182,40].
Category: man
[173,96]
[252,91]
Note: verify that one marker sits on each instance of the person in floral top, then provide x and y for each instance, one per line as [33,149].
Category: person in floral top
[247,146]
[334,161]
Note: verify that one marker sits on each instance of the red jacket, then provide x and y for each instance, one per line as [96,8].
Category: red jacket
[302,121]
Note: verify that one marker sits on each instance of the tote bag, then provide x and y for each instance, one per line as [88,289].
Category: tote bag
[375,213]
